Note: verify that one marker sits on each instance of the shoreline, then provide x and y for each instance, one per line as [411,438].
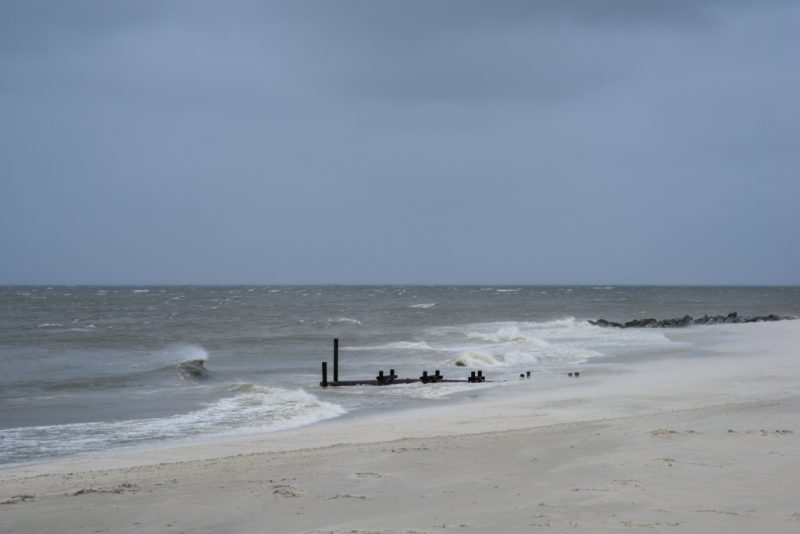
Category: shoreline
[365,418]
[598,451]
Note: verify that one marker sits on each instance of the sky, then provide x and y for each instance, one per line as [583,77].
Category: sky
[399,142]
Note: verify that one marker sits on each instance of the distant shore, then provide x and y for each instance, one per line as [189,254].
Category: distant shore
[702,439]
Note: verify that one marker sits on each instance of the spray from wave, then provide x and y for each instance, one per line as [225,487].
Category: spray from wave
[182,352]
[548,345]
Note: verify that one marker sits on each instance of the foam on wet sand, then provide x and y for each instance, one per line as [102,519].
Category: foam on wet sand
[704,440]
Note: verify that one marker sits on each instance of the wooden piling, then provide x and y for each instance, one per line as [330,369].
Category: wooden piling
[324,382]
[336,359]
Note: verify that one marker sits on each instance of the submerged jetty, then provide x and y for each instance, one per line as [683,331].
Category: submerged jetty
[688,320]
[391,378]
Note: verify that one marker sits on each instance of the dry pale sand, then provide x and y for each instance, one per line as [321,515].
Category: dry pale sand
[706,440]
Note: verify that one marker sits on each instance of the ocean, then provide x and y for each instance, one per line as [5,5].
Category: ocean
[88,369]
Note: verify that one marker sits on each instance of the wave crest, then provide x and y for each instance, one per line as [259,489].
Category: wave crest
[251,408]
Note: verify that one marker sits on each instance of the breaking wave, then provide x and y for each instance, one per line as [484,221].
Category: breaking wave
[343,320]
[247,408]
[549,344]
[398,345]
[513,345]
[128,369]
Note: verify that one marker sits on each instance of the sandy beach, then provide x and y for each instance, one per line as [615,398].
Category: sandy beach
[705,439]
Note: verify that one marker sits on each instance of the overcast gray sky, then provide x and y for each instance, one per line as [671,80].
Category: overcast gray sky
[414,141]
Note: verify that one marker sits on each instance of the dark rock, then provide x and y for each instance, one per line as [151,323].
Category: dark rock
[687,320]
[603,322]
[642,323]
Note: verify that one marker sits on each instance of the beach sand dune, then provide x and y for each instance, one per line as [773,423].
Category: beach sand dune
[706,441]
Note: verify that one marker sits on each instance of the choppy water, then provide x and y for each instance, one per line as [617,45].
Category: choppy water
[95,368]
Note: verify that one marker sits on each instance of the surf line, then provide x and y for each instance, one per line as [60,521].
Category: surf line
[392,378]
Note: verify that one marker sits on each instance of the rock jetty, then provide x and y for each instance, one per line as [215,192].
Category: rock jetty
[687,320]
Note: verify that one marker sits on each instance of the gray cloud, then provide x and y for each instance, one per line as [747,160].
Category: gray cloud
[541,142]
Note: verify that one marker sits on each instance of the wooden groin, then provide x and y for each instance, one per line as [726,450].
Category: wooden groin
[389,379]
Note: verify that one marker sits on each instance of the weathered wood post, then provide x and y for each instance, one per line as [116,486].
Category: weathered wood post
[324,382]
[528,373]
[336,359]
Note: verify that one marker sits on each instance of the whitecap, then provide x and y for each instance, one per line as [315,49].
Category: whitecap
[547,344]
[344,320]
[181,352]
[398,345]
[251,409]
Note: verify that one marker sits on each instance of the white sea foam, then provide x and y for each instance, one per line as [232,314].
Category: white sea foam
[249,408]
[141,291]
[398,345]
[417,390]
[514,345]
[88,328]
[343,320]
[423,305]
[549,344]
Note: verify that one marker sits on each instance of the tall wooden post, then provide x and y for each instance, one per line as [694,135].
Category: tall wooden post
[336,359]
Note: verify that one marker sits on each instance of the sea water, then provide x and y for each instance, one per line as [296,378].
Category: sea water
[85,369]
